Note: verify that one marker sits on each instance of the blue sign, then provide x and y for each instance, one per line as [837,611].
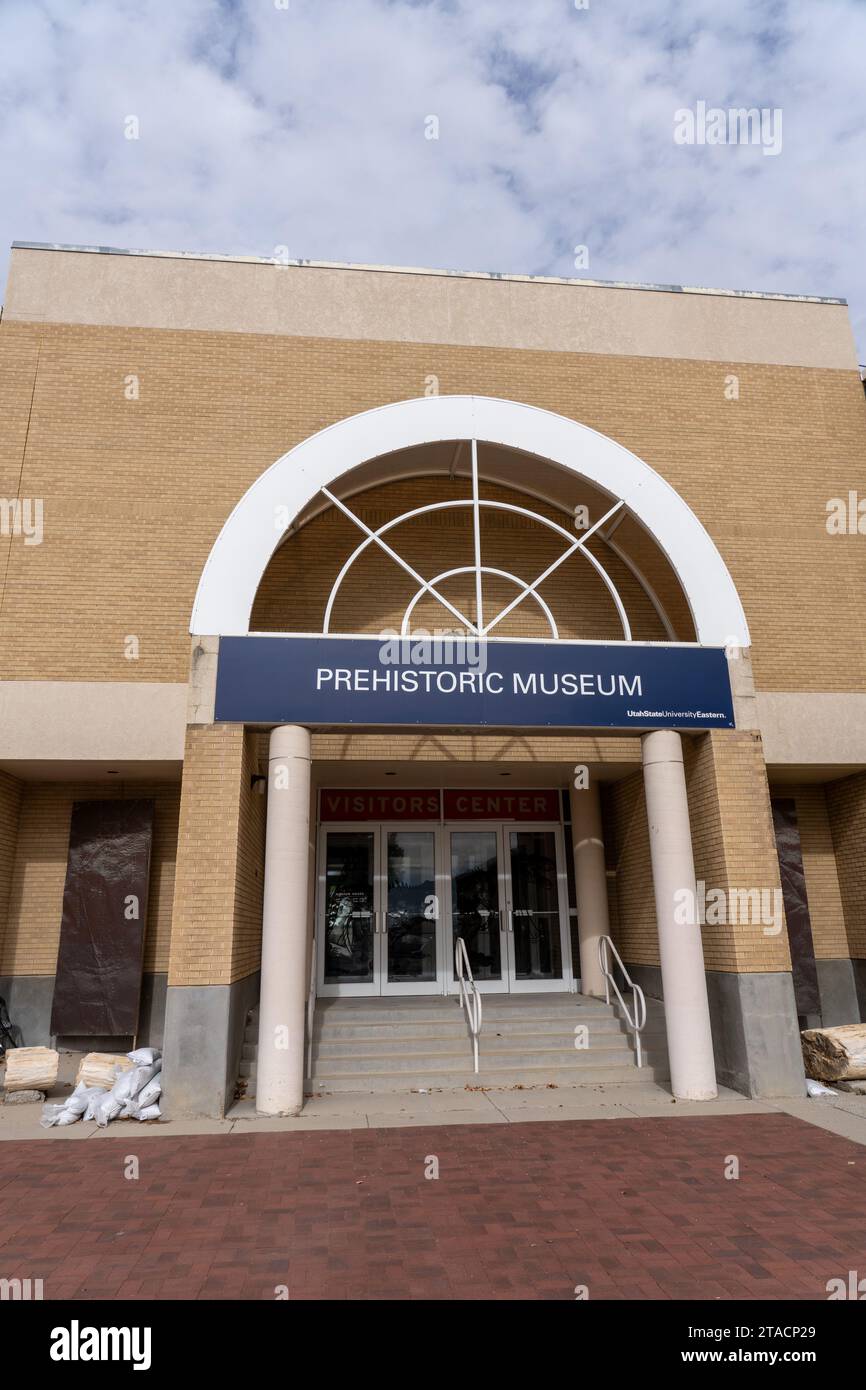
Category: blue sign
[467,683]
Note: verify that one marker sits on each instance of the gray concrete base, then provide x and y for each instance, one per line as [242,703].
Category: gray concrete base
[859,969]
[756,1039]
[204,1028]
[151,1015]
[837,988]
[28,998]
[649,977]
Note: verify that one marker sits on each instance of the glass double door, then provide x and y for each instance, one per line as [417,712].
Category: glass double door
[392,900]
[508,900]
[379,910]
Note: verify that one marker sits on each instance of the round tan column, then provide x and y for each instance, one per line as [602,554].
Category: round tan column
[280,1067]
[684,984]
[590,883]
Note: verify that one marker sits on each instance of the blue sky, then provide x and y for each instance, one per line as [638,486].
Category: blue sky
[302,123]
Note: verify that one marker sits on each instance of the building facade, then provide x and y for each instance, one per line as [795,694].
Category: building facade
[352,613]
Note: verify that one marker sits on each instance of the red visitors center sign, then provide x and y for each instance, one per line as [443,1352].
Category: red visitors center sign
[497,805]
[353,803]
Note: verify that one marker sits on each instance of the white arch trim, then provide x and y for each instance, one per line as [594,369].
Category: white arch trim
[244,547]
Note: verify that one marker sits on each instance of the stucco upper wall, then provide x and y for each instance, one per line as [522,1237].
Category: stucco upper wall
[213,294]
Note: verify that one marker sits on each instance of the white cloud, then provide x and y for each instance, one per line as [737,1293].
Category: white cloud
[305,127]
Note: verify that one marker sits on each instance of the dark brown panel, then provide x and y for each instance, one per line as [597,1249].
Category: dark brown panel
[96,992]
[796,906]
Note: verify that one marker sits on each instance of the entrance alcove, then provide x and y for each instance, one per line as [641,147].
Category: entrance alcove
[329,575]
[483,522]
[485,519]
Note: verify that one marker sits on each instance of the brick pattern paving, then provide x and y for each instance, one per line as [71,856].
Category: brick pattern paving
[631,1208]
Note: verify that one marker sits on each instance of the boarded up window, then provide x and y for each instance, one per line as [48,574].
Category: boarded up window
[799,922]
[99,964]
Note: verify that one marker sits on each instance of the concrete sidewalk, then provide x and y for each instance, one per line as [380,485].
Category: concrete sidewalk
[844,1115]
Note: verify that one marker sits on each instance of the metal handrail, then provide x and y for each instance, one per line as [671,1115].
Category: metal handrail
[606,948]
[469,996]
[311,1010]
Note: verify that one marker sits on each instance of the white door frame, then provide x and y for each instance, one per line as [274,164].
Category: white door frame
[345,989]
[499,986]
[445,982]
[509,983]
[566,982]
[380,984]
[391,986]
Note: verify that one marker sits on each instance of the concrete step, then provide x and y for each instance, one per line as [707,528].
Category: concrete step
[405,1044]
[357,1036]
[494,1045]
[453,1081]
[456,1028]
[512,1059]
[454,1022]
[494,1005]
[458,1065]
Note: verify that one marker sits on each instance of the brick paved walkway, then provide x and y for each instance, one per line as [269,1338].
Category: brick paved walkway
[631,1208]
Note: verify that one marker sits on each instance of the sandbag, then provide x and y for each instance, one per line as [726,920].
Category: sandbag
[815,1088]
[143,1056]
[122,1099]
[51,1114]
[150,1112]
[68,1111]
[97,1096]
[150,1093]
[76,1104]
[127,1086]
[107,1110]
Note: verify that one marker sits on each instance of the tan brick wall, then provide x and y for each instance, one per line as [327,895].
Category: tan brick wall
[819,867]
[482,748]
[734,844]
[249,882]
[39,875]
[630,886]
[846,806]
[136,491]
[216,936]
[17,377]
[10,809]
